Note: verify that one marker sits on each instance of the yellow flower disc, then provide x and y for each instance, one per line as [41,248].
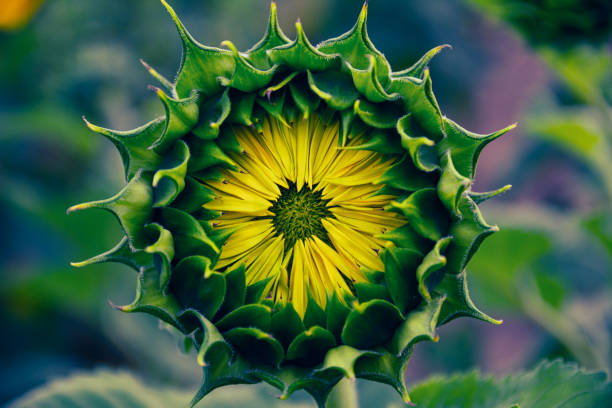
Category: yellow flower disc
[307,212]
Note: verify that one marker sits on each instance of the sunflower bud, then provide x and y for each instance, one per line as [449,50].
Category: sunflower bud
[301,214]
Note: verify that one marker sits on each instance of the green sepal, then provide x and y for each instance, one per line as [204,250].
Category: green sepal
[367,82]
[344,358]
[367,291]
[212,114]
[150,299]
[404,175]
[227,140]
[273,105]
[458,302]
[189,236]
[200,65]
[133,145]
[480,197]
[255,291]
[358,331]
[468,233]
[181,117]
[420,148]
[279,85]
[355,46]
[380,141]
[465,146]
[206,154]
[425,213]
[384,368]
[241,108]
[162,79]
[162,250]
[432,262]
[306,100]
[246,77]
[120,253]
[235,293]
[347,119]
[380,115]
[286,324]
[400,265]
[418,98]
[419,325]
[256,345]
[274,37]
[406,237]
[336,314]
[314,315]
[132,206]
[169,180]
[220,374]
[418,68]
[334,87]
[196,286]
[300,55]
[253,315]
[310,346]
[193,196]
[213,350]
[451,185]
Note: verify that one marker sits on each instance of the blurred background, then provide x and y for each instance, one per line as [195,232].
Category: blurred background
[544,64]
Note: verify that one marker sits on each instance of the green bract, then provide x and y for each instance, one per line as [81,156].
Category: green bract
[241,336]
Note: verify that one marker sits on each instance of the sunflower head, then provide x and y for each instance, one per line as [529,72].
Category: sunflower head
[301,214]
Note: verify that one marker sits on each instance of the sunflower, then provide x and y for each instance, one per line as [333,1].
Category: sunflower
[300,214]
[307,212]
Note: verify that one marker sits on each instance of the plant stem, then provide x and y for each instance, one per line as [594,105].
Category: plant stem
[344,395]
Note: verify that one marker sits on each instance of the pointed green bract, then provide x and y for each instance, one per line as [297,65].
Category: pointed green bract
[241,335]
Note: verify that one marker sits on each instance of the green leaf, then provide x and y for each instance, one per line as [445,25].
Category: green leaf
[101,389]
[507,252]
[551,384]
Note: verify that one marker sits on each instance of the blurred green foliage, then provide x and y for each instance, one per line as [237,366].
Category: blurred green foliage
[549,270]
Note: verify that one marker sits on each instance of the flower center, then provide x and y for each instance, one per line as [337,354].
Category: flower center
[298,214]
